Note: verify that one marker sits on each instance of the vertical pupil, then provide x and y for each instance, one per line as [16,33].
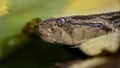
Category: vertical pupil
[61,22]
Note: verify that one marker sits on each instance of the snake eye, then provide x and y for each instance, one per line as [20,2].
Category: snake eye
[61,22]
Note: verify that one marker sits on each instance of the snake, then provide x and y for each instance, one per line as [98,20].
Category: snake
[74,30]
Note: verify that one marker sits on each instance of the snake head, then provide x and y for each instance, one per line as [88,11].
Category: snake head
[71,30]
[53,30]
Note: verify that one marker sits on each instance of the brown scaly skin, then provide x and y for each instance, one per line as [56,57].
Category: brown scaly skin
[73,30]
